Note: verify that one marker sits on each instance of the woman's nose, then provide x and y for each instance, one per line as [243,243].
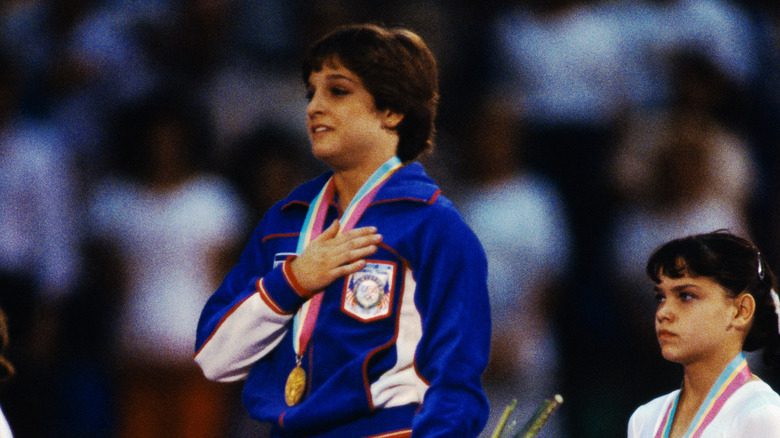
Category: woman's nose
[314,106]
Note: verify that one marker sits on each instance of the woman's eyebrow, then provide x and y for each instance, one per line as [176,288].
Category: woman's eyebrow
[338,76]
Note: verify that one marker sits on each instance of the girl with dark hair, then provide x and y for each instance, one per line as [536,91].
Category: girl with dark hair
[717,297]
[359,306]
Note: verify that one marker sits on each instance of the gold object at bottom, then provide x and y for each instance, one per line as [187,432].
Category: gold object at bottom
[296,384]
[541,416]
[533,426]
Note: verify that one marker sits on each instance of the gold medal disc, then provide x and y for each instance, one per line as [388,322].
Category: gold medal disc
[296,384]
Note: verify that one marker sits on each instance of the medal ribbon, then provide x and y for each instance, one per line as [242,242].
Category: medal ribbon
[313,225]
[730,380]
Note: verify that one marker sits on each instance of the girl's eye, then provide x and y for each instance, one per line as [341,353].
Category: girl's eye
[338,91]
[660,298]
[685,296]
[309,95]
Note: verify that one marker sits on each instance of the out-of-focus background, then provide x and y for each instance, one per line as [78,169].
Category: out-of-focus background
[140,142]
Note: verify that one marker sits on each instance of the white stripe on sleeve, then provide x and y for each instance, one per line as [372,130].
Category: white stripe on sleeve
[247,334]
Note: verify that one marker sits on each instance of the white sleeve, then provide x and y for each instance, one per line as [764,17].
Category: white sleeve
[761,422]
[245,335]
[633,428]
[5,429]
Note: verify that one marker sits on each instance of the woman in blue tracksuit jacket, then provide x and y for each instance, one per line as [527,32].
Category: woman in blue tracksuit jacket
[359,306]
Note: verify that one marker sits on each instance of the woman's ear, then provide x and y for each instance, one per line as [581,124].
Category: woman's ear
[745,309]
[392,119]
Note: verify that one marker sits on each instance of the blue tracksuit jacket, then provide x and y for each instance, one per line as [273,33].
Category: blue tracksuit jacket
[407,359]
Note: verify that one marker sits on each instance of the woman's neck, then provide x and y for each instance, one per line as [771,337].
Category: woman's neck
[347,185]
[349,181]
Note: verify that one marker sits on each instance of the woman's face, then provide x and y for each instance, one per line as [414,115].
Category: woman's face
[344,125]
[693,320]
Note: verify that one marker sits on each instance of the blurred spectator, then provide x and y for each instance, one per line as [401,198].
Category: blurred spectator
[562,68]
[39,239]
[651,30]
[718,29]
[266,165]
[83,386]
[36,187]
[763,103]
[681,173]
[562,63]
[244,94]
[94,65]
[693,77]
[172,225]
[520,220]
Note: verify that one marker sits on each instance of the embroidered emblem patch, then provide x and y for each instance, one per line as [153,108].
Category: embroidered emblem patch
[369,292]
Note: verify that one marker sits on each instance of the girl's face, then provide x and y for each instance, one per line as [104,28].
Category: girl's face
[344,125]
[693,320]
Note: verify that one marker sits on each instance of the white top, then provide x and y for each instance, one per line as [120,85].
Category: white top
[752,411]
[38,232]
[5,429]
[540,52]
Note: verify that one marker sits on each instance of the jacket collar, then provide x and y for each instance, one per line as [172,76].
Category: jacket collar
[409,183]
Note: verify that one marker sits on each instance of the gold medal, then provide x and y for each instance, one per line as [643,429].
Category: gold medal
[296,384]
[313,226]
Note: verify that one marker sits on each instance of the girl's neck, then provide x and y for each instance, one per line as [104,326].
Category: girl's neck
[699,376]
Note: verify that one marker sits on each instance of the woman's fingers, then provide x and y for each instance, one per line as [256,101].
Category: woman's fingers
[330,232]
[361,242]
[349,268]
[352,249]
[332,255]
[356,233]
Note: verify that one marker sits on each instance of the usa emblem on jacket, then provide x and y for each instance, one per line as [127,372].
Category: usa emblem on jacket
[368,292]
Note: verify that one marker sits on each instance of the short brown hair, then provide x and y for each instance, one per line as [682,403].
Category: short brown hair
[396,67]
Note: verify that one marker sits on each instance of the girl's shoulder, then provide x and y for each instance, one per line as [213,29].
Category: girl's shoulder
[646,418]
[755,410]
[659,403]
[757,393]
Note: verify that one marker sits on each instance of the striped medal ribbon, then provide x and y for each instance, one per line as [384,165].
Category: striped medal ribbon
[313,225]
[730,380]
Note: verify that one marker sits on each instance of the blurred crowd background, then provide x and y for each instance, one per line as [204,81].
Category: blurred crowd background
[141,141]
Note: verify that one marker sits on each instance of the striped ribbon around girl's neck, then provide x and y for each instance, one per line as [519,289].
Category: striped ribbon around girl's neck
[736,374]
